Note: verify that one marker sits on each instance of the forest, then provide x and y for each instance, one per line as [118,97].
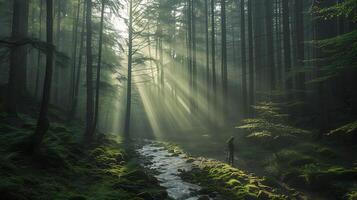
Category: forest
[178,99]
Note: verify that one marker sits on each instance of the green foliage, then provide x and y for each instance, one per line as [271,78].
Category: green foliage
[270,123]
[346,9]
[340,52]
[63,170]
[352,195]
[233,183]
[346,129]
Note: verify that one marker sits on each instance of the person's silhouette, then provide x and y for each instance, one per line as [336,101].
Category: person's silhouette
[230,145]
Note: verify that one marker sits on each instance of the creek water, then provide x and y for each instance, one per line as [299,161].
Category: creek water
[168,167]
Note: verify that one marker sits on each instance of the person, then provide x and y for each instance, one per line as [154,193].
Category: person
[230,145]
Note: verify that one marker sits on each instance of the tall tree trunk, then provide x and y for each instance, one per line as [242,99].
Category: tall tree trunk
[190,53]
[224,56]
[213,55]
[194,58]
[78,73]
[259,59]
[299,23]
[57,70]
[39,52]
[130,58]
[244,56]
[17,71]
[96,111]
[88,135]
[279,51]
[207,51]
[74,55]
[287,50]
[270,42]
[251,58]
[43,122]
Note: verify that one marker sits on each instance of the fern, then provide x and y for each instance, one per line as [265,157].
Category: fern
[270,123]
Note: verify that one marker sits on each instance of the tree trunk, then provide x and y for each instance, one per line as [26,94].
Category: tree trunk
[130,57]
[224,56]
[287,50]
[96,111]
[259,45]
[207,52]
[43,122]
[279,51]
[299,23]
[17,70]
[74,55]
[213,55]
[244,61]
[270,42]
[57,69]
[194,59]
[88,135]
[251,58]
[78,75]
[39,52]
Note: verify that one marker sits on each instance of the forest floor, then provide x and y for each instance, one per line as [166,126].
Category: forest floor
[192,178]
[308,169]
[64,169]
[148,170]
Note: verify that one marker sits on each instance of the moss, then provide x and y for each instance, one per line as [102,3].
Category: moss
[352,195]
[62,170]
[229,181]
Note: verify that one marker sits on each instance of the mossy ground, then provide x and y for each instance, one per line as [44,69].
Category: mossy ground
[219,178]
[317,169]
[63,170]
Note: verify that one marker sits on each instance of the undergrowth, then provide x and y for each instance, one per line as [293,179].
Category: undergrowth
[64,170]
[222,179]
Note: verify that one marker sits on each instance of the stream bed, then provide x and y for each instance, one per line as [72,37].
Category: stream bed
[167,167]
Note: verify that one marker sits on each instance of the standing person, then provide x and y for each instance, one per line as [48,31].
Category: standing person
[230,145]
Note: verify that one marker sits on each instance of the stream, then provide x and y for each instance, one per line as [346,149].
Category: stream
[168,167]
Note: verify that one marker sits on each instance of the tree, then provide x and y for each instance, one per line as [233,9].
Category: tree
[17,72]
[224,55]
[43,121]
[207,50]
[213,53]
[287,46]
[75,89]
[270,42]
[299,23]
[251,57]
[194,57]
[88,135]
[74,64]
[244,56]
[99,66]
[39,52]
[130,62]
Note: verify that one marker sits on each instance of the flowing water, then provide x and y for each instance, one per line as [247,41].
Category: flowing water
[168,168]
